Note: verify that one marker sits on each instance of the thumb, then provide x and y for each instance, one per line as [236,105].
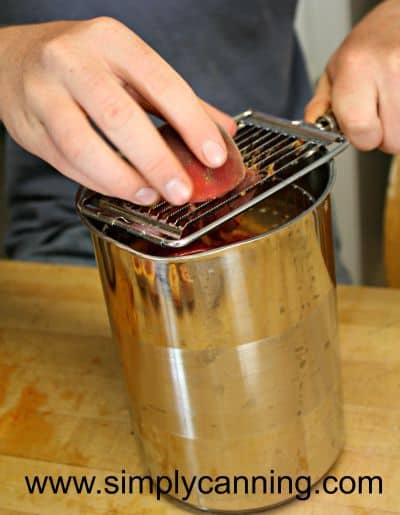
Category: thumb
[321,101]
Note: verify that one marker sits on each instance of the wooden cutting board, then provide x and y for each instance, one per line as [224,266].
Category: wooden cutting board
[63,408]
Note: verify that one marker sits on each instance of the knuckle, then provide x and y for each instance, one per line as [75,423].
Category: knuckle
[351,58]
[169,87]
[154,168]
[114,115]
[103,24]
[55,51]
[33,89]
[72,145]
[73,149]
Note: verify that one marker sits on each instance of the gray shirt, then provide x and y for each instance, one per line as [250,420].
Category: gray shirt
[235,54]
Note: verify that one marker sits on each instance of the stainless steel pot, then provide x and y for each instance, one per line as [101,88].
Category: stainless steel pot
[230,355]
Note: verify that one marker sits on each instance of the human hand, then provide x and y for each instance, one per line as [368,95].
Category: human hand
[361,82]
[53,76]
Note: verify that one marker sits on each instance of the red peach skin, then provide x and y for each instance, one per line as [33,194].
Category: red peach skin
[208,183]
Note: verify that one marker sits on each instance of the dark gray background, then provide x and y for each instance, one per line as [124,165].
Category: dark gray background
[373,167]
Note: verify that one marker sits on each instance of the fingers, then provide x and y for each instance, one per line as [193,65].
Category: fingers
[126,124]
[86,158]
[170,95]
[53,156]
[321,101]
[220,118]
[355,104]
[353,98]
[389,112]
[41,144]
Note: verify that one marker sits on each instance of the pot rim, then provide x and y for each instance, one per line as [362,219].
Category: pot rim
[205,254]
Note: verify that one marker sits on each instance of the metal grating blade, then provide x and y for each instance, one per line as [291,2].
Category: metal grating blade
[276,153]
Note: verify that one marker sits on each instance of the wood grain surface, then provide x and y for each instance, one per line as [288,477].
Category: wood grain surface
[63,409]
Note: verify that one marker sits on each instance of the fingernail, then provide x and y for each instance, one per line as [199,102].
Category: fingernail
[146,196]
[214,153]
[177,191]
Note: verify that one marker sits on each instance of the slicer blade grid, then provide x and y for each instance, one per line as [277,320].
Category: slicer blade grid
[276,153]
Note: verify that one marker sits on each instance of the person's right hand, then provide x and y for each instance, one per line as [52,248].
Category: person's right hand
[53,76]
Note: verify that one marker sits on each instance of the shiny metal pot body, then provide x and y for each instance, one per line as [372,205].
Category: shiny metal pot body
[231,356]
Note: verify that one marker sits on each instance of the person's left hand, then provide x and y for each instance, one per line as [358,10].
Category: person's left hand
[361,83]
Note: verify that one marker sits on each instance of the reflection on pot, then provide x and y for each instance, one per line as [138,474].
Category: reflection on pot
[230,348]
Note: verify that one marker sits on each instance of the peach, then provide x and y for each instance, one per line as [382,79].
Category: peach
[208,183]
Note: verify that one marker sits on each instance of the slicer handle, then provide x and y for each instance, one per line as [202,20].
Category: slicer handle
[327,122]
